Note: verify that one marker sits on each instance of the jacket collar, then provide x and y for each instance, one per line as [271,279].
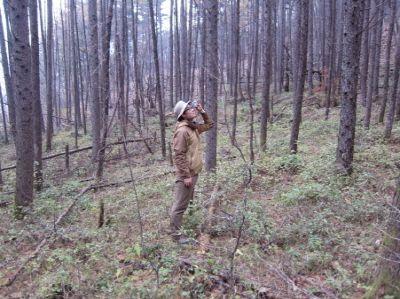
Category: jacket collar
[192,125]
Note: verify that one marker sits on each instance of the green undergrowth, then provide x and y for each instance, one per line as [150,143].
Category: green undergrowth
[298,215]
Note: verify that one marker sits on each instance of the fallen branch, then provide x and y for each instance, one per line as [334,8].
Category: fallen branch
[44,242]
[84,149]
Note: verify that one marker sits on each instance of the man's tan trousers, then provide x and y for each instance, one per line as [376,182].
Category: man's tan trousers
[183,196]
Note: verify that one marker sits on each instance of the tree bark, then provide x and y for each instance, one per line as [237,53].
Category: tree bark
[365,53]
[310,48]
[37,107]
[267,70]
[158,80]
[393,9]
[49,81]
[393,97]
[7,70]
[94,70]
[4,117]
[236,53]
[298,96]
[211,80]
[350,68]
[21,56]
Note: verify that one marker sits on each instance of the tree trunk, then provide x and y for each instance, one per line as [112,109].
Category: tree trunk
[211,80]
[171,55]
[252,96]
[37,107]
[332,54]
[49,82]
[137,73]
[4,117]
[267,69]
[281,51]
[310,48]
[350,68]
[104,84]
[236,53]
[365,53]
[7,69]
[301,37]
[21,56]
[393,7]
[203,56]
[393,97]
[158,80]
[94,70]
[178,62]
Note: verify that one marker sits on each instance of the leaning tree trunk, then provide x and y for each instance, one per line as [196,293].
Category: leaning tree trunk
[301,37]
[21,56]
[350,68]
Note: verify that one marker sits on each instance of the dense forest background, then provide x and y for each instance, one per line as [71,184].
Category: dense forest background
[299,196]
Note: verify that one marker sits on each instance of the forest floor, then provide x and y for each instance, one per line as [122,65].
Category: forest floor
[309,232]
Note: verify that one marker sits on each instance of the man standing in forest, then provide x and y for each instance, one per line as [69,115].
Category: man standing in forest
[188,160]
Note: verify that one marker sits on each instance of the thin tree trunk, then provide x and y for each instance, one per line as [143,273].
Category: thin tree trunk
[332,53]
[178,62]
[301,37]
[158,80]
[365,54]
[393,7]
[37,107]
[371,74]
[267,69]
[310,61]
[4,117]
[94,70]
[254,87]
[49,81]
[236,53]
[171,55]
[7,69]
[393,96]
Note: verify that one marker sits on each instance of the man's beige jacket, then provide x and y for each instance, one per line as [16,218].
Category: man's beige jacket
[188,151]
